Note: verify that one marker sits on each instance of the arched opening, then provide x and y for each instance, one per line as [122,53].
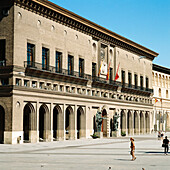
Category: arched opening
[147,122]
[69,123]
[129,122]
[104,123]
[56,111]
[160,94]
[123,122]
[94,124]
[27,122]
[44,122]
[111,127]
[2,124]
[141,122]
[80,123]
[136,125]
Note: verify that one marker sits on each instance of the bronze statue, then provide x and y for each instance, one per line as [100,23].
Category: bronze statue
[99,119]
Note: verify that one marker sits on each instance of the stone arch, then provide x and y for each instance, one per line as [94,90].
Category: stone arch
[141,122]
[44,123]
[81,123]
[104,122]
[2,123]
[123,121]
[56,121]
[69,123]
[29,122]
[147,122]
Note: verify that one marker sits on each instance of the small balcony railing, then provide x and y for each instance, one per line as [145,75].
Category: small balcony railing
[52,69]
[135,87]
[2,63]
[103,80]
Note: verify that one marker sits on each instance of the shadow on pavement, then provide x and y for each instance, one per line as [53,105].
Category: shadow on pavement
[123,159]
[155,152]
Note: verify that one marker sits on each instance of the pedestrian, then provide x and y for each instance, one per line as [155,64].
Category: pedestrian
[166,145]
[132,146]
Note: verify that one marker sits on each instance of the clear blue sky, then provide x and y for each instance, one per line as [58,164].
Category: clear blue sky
[146,22]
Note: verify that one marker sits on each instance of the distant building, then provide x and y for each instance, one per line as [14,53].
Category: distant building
[161,97]
[57,70]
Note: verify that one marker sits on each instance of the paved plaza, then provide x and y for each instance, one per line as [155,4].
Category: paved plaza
[99,154]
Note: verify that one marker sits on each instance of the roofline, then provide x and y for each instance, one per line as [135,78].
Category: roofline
[161,69]
[93,25]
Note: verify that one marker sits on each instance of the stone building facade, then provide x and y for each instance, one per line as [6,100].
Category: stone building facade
[161,97]
[58,69]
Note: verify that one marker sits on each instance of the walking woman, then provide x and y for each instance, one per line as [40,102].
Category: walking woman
[132,146]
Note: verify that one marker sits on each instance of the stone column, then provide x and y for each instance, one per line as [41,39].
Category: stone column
[33,132]
[37,113]
[61,121]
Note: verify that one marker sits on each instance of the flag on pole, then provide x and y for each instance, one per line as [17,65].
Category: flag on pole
[117,76]
[156,100]
[108,71]
[100,68]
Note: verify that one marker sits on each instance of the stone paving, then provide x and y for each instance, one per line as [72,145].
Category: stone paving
[98,154]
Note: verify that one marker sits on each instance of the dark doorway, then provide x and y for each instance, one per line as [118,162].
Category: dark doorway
[94,125]
[67,123]
[78,123]
[26,122]
[41,122]
[55,123]
[2,124]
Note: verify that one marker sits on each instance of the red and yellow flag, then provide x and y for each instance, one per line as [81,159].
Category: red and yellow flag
[100,68]
[156,100]
[108,71]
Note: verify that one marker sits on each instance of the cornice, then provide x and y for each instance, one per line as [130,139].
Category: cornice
[56,13]
[161,69]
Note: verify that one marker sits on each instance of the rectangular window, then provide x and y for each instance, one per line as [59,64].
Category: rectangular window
[123,77]
[2,52]
[45,58]
[147,83]
[30,54]
[58,64]
[141,82]
[70,65]
[129,79]
[4,81]
[136,80]
[81,67]
[93,69]
[26,83]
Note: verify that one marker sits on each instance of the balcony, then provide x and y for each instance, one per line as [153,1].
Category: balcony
[136,89]
[99,82]
[44,71]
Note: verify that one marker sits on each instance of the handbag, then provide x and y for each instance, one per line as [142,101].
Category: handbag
[163,145]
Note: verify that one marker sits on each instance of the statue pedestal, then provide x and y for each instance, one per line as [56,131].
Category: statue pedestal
[99,134]
[115,133]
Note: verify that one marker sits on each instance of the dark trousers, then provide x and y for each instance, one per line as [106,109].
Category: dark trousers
[166,149]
